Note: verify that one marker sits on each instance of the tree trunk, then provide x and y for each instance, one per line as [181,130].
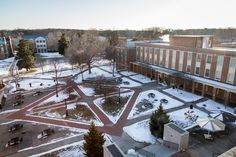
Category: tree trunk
[113,69]
[89,67]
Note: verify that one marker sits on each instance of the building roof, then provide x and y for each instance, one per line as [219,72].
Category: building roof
[224,49]
[176,128]
[33,36]
[192,36]
[229,153]
[213,83]
[114,151]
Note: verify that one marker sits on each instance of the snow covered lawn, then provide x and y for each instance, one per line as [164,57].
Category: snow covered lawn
[185,118]
[35,84]
[5,65]
[71,150]
[141,78]
[62,95]
[140,132]
[145,104]
[129,83]
[128,73]
[183,95]
[80,113]
[51,55]
[88,91]
[213,106]
[114,117]
[94,73]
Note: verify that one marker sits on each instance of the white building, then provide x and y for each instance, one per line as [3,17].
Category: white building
[41,45]
[39,42]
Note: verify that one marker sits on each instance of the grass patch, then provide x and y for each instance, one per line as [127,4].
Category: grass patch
[112,106]
[143,105]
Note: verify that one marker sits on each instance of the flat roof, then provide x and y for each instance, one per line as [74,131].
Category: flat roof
[223,49]
[195,78]
[176,128]
[114,151]
[191,36]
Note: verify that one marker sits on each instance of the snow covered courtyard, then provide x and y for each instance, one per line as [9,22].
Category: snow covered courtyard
[140,132]
[141,78]
[146,103]
[183,95]
[186,118]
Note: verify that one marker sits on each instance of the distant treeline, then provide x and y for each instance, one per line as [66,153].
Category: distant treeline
[221,35]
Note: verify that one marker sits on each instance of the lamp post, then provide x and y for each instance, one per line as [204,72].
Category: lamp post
[66,109]
[119,94]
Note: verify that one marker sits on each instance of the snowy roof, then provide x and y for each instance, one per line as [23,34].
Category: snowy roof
[213,83]
[224,49]
[114,150]
[199,79]
[33,36]
[193,36]
[176,128]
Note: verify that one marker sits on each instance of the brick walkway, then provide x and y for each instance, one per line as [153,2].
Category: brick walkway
[109,127]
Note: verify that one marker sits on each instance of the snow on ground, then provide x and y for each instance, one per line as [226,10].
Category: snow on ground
[101,61]
[213,106]
[95,72]
[140,132]
[88,91]
[62,95]
[186,118]
[112,118]
[71,150]
[129,83]
[9,111]
[51,55]
[141,78]
[183,95]
[5,65]
[35,84]
[128,73]
[154,101]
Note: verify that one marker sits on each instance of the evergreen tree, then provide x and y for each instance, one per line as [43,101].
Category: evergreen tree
[25,55]
[94,141]
[157,121]
[62,44]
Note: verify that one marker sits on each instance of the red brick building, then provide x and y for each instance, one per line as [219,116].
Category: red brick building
[189,62]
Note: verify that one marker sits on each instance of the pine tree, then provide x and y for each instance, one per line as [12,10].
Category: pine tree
[94,141]
[25,55]
[157,121]
[62,44]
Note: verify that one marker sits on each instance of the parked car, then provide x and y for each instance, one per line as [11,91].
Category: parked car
[37,93]
[45,133]
[164,101]
[20,96]
[15,127]
[18,102]
[14,141]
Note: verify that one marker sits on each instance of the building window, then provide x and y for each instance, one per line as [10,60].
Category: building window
[150,55]
[155,56]
[173,59]
[197,70]
[161,56]
[190,56]
[207,73]
[199,56]
[167,59]
[145,54]
[188,69]
[181,58]
[232,69]
[209,59]
[219,65]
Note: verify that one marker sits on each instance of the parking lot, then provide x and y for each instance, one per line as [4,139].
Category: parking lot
[29,133]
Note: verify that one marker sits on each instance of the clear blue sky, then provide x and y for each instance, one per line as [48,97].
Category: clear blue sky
[117,14]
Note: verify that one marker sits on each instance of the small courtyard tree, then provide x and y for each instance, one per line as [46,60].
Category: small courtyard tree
[62,44]
[94,140]
[25,55]
[157,121]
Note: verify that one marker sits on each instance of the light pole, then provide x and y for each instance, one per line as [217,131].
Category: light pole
[66,109]
[119,94]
